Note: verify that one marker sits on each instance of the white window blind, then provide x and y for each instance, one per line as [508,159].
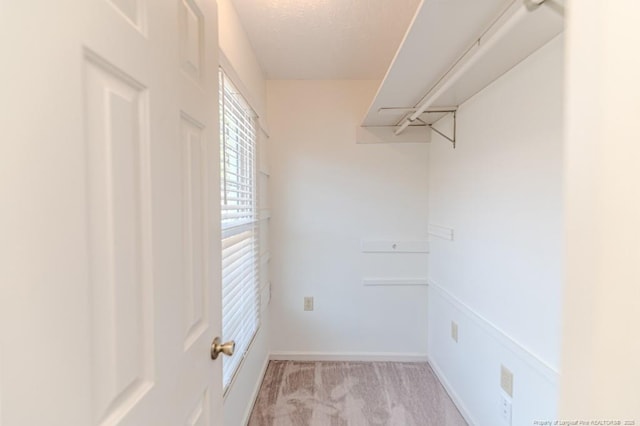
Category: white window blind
[240,284]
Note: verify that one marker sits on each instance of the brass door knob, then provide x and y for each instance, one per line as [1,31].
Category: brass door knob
[226,348]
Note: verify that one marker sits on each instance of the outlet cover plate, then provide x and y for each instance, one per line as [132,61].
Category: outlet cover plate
[454,331]
[505,409]
[308,303]
[506,380]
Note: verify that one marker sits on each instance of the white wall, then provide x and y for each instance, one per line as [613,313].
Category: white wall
[240,62]
[328,194]
[236,48]
[500,279]
[601,334]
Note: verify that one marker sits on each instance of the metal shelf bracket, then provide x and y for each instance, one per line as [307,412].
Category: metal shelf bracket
[452,138]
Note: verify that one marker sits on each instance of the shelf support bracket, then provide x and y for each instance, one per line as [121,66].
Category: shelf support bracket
[452,138]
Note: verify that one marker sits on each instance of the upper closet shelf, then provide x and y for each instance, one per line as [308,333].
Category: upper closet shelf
[452,50]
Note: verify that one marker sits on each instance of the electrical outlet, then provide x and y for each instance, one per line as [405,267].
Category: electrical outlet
[454,331]
[506,380]
[505,410]
[308,303]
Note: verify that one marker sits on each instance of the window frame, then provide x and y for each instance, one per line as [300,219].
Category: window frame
[238,117]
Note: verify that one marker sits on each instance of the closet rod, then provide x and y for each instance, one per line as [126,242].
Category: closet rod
[500,27]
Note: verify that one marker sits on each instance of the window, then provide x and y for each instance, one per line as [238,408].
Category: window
[240,282]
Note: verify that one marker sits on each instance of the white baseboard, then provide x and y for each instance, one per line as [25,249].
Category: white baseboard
[452,393]
[348,356]
[256,391]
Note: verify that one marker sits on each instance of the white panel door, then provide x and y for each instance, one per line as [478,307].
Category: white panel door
[109,172]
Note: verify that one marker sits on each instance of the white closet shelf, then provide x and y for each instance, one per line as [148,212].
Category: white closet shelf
[454,49]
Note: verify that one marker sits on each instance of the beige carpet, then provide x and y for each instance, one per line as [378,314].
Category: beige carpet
[352,393]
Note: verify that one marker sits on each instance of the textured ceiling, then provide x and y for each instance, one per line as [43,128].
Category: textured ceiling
[325,39]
